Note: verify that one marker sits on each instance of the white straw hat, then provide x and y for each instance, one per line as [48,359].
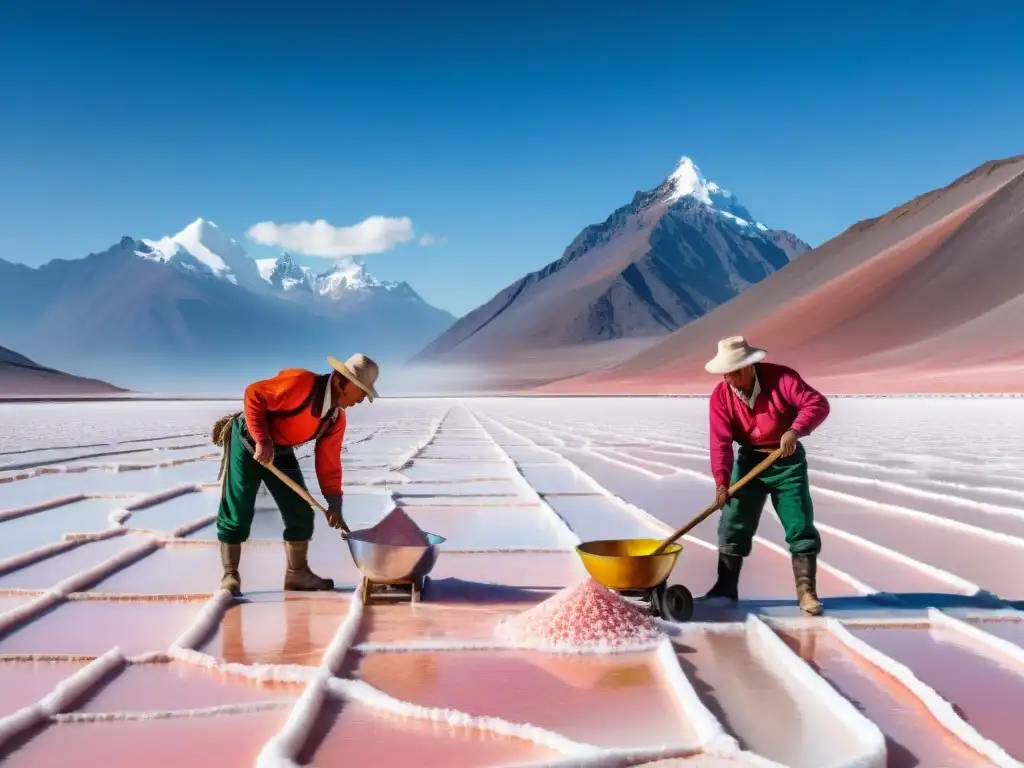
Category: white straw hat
[734,353]
[360,370]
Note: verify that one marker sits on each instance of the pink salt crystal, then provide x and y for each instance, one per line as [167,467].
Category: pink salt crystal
[582,615]
[397,530]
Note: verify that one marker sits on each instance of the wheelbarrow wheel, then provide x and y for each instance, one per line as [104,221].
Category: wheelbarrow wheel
[677,603]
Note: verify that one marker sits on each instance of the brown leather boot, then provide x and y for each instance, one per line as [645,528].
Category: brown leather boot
[805,571]
[230,556]
[728,583]
[298,577]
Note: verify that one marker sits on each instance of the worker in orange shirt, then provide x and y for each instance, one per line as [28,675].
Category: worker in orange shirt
[295,407]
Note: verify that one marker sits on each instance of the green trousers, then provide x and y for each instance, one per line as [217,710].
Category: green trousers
[242,478]
[787,484]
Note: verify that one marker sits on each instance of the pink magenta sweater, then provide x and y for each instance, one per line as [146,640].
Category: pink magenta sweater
[786,402]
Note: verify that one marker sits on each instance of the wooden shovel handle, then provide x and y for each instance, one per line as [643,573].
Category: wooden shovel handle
[768,461]
[303,493]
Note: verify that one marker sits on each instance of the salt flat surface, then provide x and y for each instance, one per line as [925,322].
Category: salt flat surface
[916,516]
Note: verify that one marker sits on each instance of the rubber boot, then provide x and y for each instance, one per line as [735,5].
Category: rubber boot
[298,577]
[728,583]
[805,572]
[230,556]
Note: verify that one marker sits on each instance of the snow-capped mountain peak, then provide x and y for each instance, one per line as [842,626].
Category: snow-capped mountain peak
[343,279]
[349,275]
[688,181]
[203,247]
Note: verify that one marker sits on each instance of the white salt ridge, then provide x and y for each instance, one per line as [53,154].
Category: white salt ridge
[924,517]
[62,697]
[937,706]
[372,697]
[29,509]
[961,585]
[872,741]
[76,583]
[999,645]
[404,462]
[565,532]
[172,714]
[69,541]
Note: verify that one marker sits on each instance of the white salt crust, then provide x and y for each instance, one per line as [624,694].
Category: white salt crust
[939,708]
[564,530]
[76,583]
[42,506]
[871,738]
[962,585]
[49,550]
[66,693]
[987,640]
[925,517]
[172,714]
[406,460]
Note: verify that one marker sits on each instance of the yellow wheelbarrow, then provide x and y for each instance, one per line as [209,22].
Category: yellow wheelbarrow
[640,568]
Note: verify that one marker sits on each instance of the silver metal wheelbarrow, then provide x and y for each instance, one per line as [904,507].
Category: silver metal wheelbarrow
[393,571]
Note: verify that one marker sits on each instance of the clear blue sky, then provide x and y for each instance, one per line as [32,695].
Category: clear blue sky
[504,127]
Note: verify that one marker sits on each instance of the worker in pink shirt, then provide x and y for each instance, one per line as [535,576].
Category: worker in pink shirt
[763,406]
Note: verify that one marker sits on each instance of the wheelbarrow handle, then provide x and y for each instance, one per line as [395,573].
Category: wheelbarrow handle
[768,461]
[302,492]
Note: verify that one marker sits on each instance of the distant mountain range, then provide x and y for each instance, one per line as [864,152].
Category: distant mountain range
[194,313]
[928,298]
[20,376]
[668,257]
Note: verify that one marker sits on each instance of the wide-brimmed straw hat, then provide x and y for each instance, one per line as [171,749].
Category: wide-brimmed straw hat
[360,370]
[734,353]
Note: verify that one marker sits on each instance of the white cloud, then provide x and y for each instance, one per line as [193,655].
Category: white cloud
[376,234]
[429,239]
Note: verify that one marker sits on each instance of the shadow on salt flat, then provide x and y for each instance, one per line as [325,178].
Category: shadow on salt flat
[281,628]
[351,733]
[618,700]
[21,534]
[90,628]
[200,742]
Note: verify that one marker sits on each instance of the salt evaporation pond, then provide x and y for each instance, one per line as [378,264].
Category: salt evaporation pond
[109,594]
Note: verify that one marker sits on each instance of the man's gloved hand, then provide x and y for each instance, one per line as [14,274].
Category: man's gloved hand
[335,519]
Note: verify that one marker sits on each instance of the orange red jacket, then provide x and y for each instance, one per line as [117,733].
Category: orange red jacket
[267,404]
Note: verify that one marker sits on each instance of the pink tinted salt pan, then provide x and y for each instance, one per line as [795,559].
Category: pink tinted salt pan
[397,530]
[583,616]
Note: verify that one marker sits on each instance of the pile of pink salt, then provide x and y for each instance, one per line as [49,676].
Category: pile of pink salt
[397,530]
[581,617]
